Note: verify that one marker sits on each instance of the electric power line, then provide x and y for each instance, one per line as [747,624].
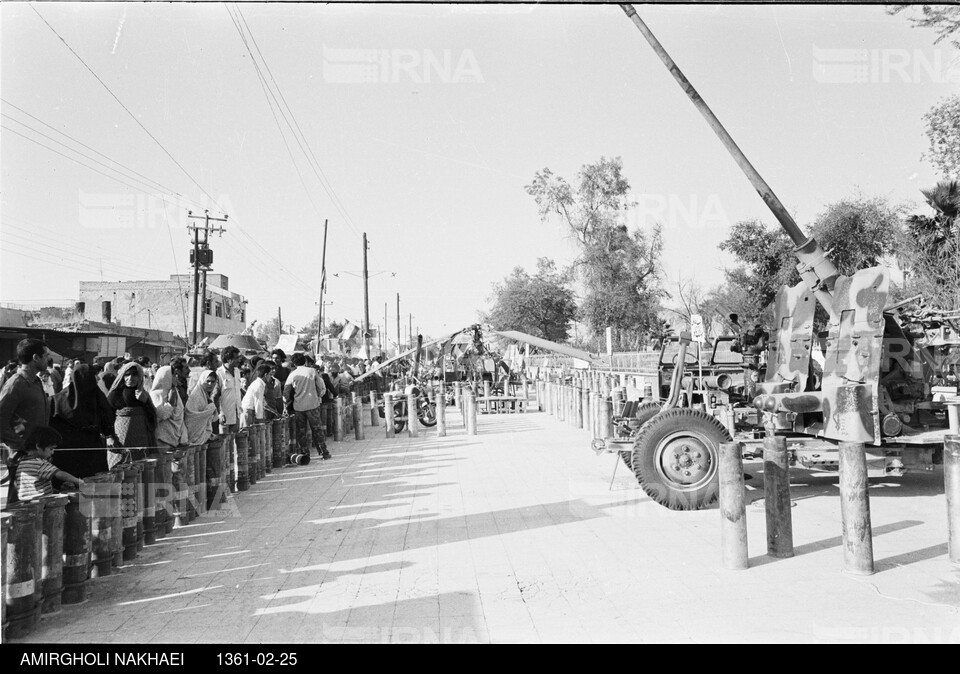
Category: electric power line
[127,110]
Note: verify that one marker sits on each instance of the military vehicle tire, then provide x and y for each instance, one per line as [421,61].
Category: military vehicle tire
[675,458]
[645,412]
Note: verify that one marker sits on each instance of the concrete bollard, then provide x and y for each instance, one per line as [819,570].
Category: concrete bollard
[51,574]
[733,509]
[471,414]
[253,455]
[129,487]
[161,494]
[76,551]
[214,475]
[605,418]
[374,414]
[388,415]
[358,419]
[230,461]
[148,486]
[278,456]
[457,393]
[953,418]
[441,412]
[5,520]
[855,510]
[263,452]
[413,424]
[242,440]
[21,567]
[178,475]
[138,500]
[201,478]
[776,491]
[486,389]
[951,479]
[97,497]
[268,447]
[538,394]
[338,420]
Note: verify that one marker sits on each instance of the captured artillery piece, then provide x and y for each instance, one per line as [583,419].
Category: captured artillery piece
[883,369]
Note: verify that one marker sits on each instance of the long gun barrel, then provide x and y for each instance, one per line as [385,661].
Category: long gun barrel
[816,269]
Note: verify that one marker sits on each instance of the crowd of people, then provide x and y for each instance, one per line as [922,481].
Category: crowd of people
[104,414]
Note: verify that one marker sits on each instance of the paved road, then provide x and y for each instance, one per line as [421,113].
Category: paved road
[513,536]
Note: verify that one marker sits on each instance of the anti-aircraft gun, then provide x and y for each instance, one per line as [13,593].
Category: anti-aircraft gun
[887,370]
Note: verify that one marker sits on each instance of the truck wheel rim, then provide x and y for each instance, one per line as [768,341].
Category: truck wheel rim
[685,460]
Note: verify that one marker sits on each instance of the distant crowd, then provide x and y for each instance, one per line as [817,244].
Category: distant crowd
[124,409]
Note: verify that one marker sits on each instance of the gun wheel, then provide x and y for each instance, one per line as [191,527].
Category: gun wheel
[675,458]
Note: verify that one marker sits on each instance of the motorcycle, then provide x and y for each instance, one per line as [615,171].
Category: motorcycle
[426,410]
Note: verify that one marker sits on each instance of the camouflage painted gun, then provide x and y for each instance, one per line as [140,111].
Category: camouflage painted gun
[882,369]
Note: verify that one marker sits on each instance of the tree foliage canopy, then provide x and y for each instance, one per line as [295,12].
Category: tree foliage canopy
[541,305]
[943,132]
[620,269]
[858,232]
[931,248]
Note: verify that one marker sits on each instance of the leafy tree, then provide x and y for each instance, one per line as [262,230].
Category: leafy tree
[620,269]
[766,265]
[943,132]
[945,19]
[542,305]
[931,248]
[332,327]
[268,332]
[858,233]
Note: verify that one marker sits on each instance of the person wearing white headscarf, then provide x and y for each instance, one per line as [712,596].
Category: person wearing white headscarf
[135,416]
[171,430]
[200,410]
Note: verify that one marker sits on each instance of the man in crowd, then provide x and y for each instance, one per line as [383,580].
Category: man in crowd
[23,403]
[282,371]
[302,395]
[229,384]
[254,402]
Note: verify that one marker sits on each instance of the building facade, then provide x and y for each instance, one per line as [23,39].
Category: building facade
[165,305]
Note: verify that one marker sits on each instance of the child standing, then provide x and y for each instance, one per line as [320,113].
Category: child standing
[31,472]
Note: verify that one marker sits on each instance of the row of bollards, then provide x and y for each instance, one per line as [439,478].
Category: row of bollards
[582,406]
[55,545]
[857,535]
[464,398]
[578,405]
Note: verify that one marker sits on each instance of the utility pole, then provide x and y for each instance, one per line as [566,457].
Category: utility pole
[409,328]
[366,300]
[279,323]
[203,246]
[398,322]
[383,339]
[323,282]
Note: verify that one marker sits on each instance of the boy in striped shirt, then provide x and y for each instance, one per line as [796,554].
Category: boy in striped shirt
[31,469]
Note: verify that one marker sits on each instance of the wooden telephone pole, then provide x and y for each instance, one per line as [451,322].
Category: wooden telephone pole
[198,246]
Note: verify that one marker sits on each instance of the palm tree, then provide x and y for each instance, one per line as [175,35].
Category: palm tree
[933,247]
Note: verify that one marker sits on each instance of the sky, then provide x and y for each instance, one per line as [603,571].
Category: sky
[420,125]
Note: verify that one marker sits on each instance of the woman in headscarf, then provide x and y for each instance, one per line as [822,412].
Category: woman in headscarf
[84,421]
[171,431]
[135,415]
[200,409]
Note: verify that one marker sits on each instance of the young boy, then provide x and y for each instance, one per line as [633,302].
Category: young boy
[31,468]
